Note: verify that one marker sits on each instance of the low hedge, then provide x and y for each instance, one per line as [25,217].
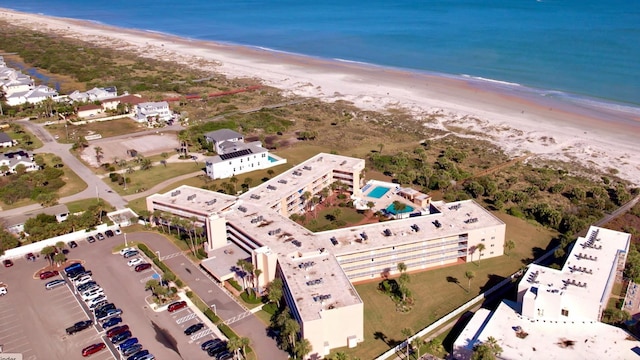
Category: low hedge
[250,299]
[150,254]
[227,331]
[235,284]
[212,316]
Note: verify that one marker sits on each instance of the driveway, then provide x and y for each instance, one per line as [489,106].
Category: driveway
[226,306]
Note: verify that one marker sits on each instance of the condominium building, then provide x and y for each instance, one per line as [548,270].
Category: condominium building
[557,313]
[318,269]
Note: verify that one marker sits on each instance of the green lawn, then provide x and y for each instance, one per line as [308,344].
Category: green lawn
[323,220]
[435,295]
[104,128]
[141,180]
[82,205]
[74,184]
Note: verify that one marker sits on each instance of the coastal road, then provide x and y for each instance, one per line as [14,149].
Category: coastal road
[226,307]
[95,186]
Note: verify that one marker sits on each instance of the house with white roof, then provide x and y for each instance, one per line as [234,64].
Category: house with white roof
[15,158]
[15,82]
[152,112]
[557,313]
[235,156]
[34,96]
[95,94]
[6,141]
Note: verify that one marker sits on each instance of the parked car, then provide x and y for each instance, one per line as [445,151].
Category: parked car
[176,306]
[109,233]
[7,263]
[104,308]
[126,250]
[132,350]
[118,231]
[83,279]
[135,261]
[30,257]
[79,326]
[121,337]
[127,343]
[139,355]
[109,314]
[226,355]
[111,322]
[73,244]
[100,236]
[210,343]
[117,330]
[142,267]
[91,239]
[193,329]
[146,357]
[217,349]
[87,286]
[98,304]
[77,275]
[3,290]
[97,300]
[54,284]
[129,254]
[92,349]
[48,274]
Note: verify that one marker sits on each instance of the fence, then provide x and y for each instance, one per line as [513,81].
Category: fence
[38,246]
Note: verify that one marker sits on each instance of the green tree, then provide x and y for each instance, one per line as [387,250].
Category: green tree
[48,252]
[509,245]
[59,258]
[60,245]
[469,275]
[302,349]
[275,291]
[480,248]
[487,350]
[407,332]
[99,153]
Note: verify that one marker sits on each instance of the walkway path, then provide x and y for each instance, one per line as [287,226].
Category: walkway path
[161,186]
[226,307]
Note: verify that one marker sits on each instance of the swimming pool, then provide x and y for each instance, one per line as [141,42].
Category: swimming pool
[392,209]
[378,192]
[272,159]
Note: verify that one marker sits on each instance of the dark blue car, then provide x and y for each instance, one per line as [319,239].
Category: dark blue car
[127,344]
[132,350]
[138,355]
[121,337]
[112,322]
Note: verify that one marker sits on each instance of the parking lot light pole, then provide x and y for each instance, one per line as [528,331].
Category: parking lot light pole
[215,312]
[125,239]
[158,253]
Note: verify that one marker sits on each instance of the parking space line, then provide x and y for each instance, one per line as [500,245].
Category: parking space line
[170,256]
[8,328]
[185,318]
[201,334]
[145,279]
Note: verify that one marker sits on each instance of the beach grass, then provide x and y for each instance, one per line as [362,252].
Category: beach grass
[141,180]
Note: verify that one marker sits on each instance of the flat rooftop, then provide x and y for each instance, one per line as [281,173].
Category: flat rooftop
[196,200]
[550,340]
[292,180]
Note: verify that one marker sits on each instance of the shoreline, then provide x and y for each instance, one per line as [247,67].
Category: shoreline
[515,119]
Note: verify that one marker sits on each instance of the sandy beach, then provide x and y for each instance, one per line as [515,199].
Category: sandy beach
[517,121]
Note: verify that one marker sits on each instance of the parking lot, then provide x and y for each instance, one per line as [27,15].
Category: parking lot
[34,319]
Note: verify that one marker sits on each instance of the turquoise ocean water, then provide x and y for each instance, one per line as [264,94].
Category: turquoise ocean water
[584,51]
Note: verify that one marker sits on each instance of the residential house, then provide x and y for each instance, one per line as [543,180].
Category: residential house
[18,157]
[6,141]
[235,156]
[13,81]
[34,96]
[222,136]
[95,94]
[129,101]
[15,224]
[152,112]
[89,111]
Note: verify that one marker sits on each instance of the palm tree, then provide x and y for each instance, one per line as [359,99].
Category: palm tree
[509,245]
[48,252]
[399,206]
[244,342]
[302,348]
[416,343]
[233,345]
[60,245]
[306,196]
[402,267]
[290,330]
[407,332]
[59,258]
[275,291]
[99,153]
[257,273]
[242,263]
[480,249]
[469,275]
[234,181]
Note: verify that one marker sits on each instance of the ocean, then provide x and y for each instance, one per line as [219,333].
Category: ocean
[584,51]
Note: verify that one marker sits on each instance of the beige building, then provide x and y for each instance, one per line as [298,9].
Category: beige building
[557,315]
[318,269]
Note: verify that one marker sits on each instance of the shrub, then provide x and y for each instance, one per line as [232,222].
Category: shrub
[214,319]
[270,308]
[179,283]
[250,298]
[226,330]
[189,294]
[150,254]
[202,254]
[235,284]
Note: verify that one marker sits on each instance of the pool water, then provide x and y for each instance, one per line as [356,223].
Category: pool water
[392,209]
[272,159]
[378,192]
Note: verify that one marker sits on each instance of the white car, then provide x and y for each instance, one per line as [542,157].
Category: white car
[135,261]
[92,295]
[82,280]
[117,231]
[3,291]
[126,250]
[96,300]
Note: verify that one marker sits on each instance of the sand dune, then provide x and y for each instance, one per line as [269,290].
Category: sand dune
[518,122]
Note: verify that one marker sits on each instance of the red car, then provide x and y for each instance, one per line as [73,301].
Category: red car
[177,306]
[30,257]
[117,330]
[48,274]
[92,349]
[8,263]
[142,267]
